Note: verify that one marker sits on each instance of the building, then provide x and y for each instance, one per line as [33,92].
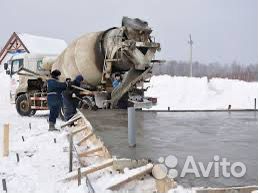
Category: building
[22,42]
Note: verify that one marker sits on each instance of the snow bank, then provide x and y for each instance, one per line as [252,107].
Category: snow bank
[180,93]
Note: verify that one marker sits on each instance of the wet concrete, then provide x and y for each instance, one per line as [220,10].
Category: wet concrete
[233,136]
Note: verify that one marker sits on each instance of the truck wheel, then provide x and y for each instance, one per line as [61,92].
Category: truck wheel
[86,103]
[23,105]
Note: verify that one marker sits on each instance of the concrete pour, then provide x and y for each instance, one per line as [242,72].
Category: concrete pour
[203,135]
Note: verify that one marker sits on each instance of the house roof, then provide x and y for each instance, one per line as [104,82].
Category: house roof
[42,45]
[22,42]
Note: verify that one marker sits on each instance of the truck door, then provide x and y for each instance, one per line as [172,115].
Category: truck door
[14,82]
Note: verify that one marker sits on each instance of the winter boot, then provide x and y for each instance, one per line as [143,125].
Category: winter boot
[52,127]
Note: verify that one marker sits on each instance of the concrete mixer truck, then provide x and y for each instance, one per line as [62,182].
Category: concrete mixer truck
[128,50]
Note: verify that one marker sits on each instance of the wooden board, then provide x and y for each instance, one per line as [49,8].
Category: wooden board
[77,130]
[129,177]
[85,138]
[90,151]
[244,189]
[75,118]
[91,169]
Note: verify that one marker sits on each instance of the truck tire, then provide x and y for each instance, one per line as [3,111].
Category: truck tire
[87,104]
[23,105]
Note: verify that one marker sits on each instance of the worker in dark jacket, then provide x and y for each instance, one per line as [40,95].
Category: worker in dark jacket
[70,103]
[54,97]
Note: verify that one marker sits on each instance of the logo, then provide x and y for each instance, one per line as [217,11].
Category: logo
[218,167]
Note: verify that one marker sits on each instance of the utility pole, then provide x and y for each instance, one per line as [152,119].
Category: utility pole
[190,42]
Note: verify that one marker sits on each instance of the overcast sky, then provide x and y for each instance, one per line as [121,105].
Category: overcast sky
[222,30]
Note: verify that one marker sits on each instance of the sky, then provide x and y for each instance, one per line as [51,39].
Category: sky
[223,31]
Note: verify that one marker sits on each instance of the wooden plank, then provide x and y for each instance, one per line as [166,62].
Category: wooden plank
[75,118]
[93,150]
[129,177]
[75,131]
[244,189]
[88,170]
[6,140]
[85,138]
[84,91]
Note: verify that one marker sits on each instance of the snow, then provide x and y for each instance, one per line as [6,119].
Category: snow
[43,163]
[180,93]
[42,45]
[180,189]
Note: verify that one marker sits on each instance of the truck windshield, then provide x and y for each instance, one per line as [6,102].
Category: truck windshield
[16,64]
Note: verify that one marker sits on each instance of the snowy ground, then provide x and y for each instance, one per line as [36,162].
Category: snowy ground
[43,162]
[180,93]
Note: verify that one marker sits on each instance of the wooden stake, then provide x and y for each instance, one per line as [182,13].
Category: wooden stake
[6,140]
[23,139]
[70,153]
[4,185]
[17,157]
[79,177]
[30,126]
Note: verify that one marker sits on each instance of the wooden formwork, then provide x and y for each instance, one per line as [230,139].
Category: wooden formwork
[87,144]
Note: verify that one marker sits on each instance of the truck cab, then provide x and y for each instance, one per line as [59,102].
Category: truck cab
[23,87]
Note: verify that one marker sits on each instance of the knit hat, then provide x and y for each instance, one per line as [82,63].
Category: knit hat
[55,73]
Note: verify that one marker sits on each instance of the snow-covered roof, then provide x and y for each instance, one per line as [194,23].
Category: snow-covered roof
[42,45]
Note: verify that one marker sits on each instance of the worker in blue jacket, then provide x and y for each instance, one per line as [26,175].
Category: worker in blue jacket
[117,80]
[54,97]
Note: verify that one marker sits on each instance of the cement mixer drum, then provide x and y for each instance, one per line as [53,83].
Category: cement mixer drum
[98,55]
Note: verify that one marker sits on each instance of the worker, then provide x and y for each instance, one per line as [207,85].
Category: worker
[117,80]
[54,97]
[70,98]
